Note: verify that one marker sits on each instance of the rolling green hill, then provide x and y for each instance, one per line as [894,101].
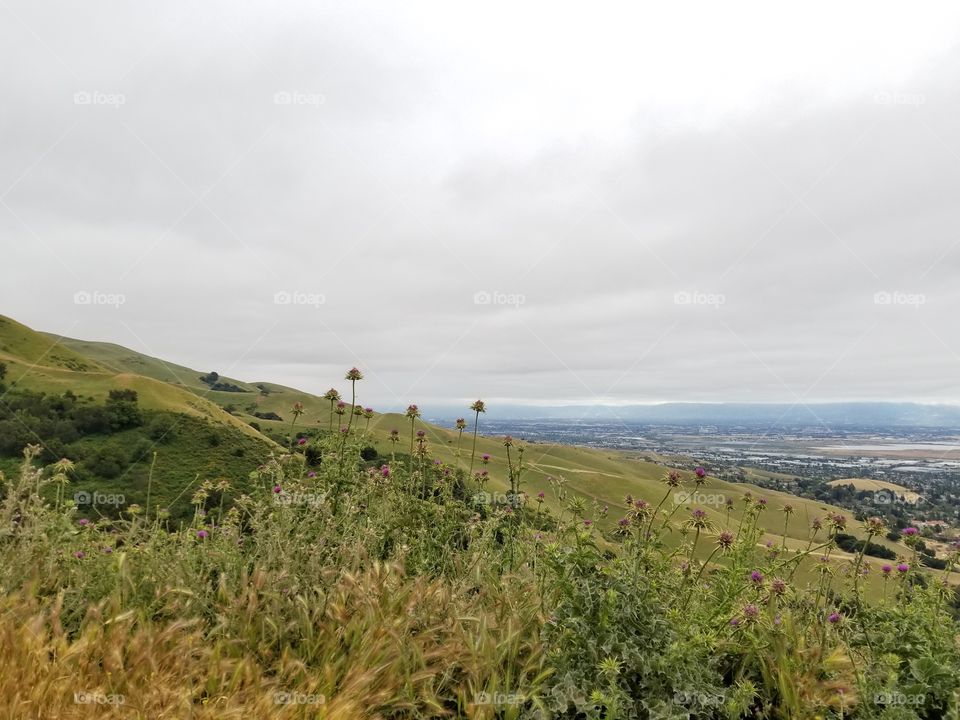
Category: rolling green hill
[602,478]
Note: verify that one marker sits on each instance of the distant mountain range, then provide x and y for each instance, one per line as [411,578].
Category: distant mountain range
[839,415]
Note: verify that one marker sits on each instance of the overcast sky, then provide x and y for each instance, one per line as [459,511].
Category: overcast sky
[527,202]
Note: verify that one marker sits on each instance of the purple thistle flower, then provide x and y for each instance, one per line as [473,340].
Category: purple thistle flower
[587,523]
[735,622]
[83,522]
[909,531]
[277,489]
[202,534]
[311,474]
[108,550]
[79,555]
[623,522]
[302,441]
[902,568]
[385,471]
[540,495]
[886,569]
[757,577]
[833,618]
[700,472]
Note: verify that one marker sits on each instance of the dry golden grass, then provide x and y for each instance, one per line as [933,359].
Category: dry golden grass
[384,644]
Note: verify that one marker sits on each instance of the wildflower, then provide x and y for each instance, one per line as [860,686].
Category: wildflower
[413,412]
[341,407]
[909,531]
[587,523]
[623,522]
[507,441]
[311,474]
[385,471]
[817,524]
[485,458]
[735,622]
[421,434]
[202,534]
[788,509]
[886,569]
[331,394]
[778,586]
[902,568]
[838,522]
[108,550]
[79,555]
[83,522]
[729,503]
[672,479]
[353,375]
[725,540]
[302,441]
[394,436]
[368,413]
[628,500]
[751,613]
[875,525]
[833,618]
[277,489]
[541,495]
[757,577]
[761,503]
[461,424]
[479,407]
[701,473]
[698,514]
[777,621]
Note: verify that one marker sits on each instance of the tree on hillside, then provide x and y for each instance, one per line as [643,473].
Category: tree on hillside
[3,370]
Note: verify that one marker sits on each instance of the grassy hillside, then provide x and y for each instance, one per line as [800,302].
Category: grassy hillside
[600,478]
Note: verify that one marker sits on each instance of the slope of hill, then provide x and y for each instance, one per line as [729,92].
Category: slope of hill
[601,478]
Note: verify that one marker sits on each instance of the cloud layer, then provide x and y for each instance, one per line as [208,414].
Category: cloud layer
[534,205]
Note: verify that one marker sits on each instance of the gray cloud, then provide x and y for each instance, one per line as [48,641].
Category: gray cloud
[713,226]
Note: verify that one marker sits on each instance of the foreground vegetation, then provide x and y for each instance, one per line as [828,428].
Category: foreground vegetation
[339,589]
